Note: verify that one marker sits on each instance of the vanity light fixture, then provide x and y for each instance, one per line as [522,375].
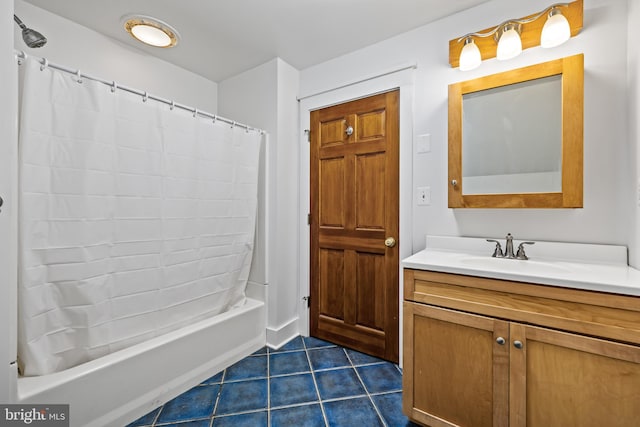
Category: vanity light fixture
[548,28]
[509,42]
[470,57]
[556,29]
[150,31]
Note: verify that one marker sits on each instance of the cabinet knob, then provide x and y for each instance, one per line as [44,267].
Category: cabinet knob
[517,344]
[500,340]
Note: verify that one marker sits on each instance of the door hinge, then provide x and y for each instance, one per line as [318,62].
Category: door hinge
[308,133]
[308,219]
[308,300]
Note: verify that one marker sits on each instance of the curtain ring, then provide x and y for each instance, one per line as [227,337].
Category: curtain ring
[21,56]
[45,64]
[172,106]
[233,124]
[214,119]
[114,86]
[79,76]
[145,97]
[195,112]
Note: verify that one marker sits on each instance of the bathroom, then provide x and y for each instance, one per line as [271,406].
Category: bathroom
[416,61]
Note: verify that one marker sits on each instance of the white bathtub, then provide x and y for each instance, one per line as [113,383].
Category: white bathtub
[119,388]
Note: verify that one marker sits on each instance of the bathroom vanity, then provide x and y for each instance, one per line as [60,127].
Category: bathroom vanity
[549,341]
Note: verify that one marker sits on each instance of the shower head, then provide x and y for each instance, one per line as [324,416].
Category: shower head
[32,38]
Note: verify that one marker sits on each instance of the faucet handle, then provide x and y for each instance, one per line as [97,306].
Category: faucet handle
[520,254]
[498,251]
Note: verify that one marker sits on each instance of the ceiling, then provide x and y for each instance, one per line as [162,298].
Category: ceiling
[222,38]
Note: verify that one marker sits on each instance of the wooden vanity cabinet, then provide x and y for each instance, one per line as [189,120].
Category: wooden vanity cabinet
[483,352]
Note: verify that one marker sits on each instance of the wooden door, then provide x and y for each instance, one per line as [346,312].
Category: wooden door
[456,368]
[560,379]
[354,211]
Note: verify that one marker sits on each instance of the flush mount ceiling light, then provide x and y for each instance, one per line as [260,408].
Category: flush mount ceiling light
[150,31]
[549,28]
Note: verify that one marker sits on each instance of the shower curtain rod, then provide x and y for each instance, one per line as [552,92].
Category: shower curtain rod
[196,112]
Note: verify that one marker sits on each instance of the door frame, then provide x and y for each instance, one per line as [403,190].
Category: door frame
[402,80]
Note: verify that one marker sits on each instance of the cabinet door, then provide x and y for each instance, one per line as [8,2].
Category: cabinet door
[455,371]
[564,380]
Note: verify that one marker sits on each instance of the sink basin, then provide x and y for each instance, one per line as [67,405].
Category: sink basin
[522,266]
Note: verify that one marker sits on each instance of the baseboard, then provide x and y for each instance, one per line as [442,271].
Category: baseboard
[277,337]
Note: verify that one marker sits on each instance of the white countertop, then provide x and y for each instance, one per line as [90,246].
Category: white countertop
[573,265]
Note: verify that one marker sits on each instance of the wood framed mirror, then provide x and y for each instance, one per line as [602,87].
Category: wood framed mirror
[516,138]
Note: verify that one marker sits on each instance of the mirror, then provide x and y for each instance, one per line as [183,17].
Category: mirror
[515,138]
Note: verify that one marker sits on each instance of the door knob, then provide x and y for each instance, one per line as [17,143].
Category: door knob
[349,130]
[390,242]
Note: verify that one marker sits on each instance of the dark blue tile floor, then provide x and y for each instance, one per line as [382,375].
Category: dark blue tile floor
[305,383]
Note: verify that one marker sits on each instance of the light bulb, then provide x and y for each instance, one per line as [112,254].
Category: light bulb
[470,55]
[151,35]
[556,30]
[150,30]
[509,44]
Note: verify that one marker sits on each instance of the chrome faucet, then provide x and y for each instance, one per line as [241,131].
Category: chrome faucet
[497,253]
[508,247]
[508,251]
[520,254]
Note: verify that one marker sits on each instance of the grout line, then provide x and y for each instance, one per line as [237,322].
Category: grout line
[315,383]
[180,422]
[215,406]
[155,419]
[364,386]
[246,379]
[296,405]
[268,387]
[250,411]
[290,374]
[286,351]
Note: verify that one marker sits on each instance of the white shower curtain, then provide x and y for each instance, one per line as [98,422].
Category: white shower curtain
[135,219]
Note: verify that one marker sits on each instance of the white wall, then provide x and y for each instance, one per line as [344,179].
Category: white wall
[287,299]
[8,228]
[605,217]
[634,127]
[265,97]
[251,97]
[74,46]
